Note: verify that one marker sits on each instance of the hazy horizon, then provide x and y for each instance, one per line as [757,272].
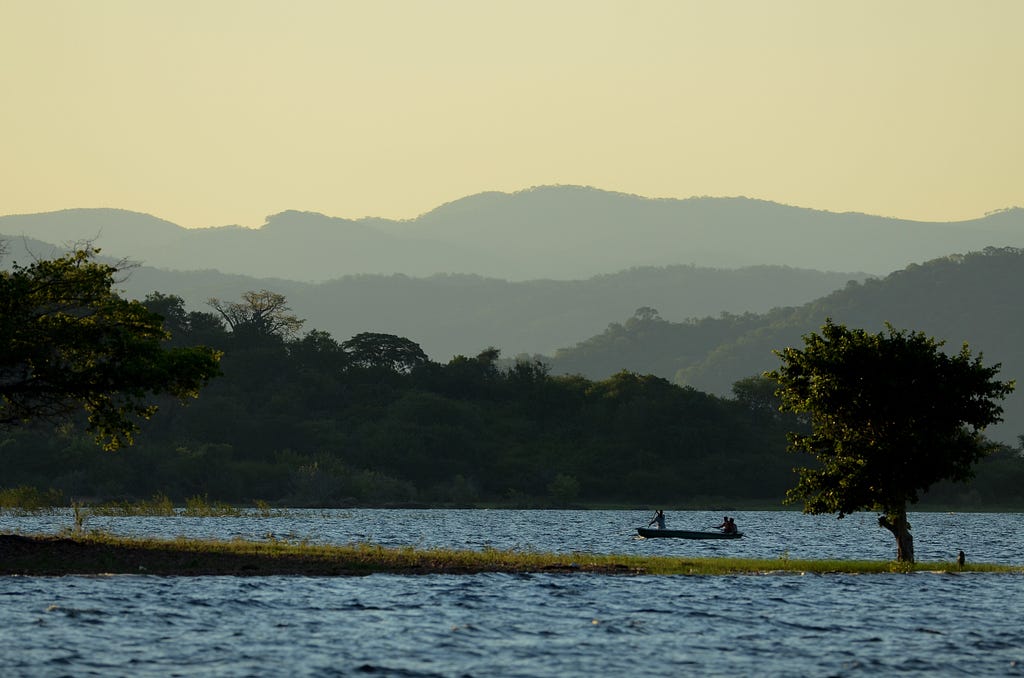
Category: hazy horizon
[376,217]
[223,113]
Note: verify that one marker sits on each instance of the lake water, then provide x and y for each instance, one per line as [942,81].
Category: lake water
[531,625]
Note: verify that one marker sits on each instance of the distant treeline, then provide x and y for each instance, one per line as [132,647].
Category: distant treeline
[310,421]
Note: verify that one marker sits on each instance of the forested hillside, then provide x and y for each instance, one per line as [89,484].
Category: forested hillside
[311,421]
[301,419]
[973,298]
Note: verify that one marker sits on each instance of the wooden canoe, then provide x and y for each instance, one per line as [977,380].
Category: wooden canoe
[649,533]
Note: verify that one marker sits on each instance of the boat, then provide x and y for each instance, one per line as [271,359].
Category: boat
[649,533]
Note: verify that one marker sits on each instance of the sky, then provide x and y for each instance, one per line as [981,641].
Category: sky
[217,112]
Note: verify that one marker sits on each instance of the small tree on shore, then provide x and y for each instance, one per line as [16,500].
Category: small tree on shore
[890,415]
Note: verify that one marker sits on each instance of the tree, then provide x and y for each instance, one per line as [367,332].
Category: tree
[186,328]
[171,308]
[69,342]
[890,415]
[476,378]
[260,314]
[646,314]
[388,351]
[319,351]
[757,394]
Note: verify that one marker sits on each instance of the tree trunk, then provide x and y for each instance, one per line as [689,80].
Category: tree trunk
[895,520]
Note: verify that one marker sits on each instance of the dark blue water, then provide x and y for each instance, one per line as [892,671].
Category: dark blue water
[531,625]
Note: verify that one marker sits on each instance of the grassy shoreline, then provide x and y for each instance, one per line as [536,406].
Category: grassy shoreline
[99,553]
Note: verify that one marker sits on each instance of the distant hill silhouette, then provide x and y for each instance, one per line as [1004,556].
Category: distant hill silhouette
[463,314]
[973,298]
[550,232]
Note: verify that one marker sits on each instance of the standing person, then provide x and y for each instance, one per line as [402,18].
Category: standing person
[659,517]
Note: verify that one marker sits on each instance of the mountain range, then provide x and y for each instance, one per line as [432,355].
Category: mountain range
[462,314]
[547,232]
[698,291]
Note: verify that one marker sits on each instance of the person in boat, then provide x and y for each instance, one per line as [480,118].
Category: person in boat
[728,525]
[659,518]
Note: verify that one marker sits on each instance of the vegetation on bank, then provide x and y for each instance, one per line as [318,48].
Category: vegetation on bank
[22,501]
[98,553]
[308,421]
[300,424]
[312,421]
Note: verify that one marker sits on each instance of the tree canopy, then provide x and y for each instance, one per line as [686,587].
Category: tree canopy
[387,351]
[68,342]
[296,423]
[314,421]
[890,415]
[259,314]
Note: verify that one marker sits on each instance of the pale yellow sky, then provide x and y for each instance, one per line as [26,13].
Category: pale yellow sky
[214,112]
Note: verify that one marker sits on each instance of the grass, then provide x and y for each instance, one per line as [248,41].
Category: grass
[25,500]
[159,505]
[101,553]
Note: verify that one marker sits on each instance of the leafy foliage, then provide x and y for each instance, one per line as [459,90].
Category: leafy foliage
[69,342]
[890,416]
[386,351]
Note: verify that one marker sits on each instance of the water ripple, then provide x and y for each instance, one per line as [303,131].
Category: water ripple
[526,625]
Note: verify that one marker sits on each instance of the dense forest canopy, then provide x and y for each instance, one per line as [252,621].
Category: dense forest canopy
[650,411]
[310,420]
